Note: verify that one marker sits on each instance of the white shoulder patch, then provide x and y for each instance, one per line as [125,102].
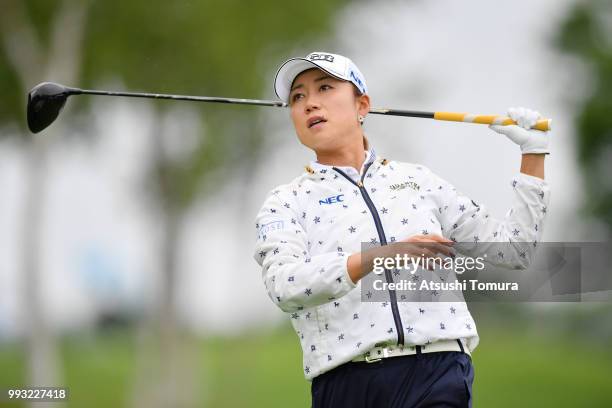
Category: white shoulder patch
[269,227]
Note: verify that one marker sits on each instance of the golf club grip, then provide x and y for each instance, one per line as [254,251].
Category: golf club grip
[542,124]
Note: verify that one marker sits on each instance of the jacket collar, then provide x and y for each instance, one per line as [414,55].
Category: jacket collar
[316,167]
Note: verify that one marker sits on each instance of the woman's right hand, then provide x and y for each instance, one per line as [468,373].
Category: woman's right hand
[417,246]
[429,246]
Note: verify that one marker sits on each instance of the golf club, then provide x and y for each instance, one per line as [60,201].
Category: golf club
[46,100]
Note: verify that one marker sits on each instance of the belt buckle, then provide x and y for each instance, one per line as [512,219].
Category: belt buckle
[372,360]
[369,359]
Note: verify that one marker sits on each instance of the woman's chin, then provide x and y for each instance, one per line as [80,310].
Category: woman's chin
[320,141]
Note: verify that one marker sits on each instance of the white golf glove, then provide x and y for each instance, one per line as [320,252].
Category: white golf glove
[530,140]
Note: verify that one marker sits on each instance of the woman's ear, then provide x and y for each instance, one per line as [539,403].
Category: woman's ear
[363,104]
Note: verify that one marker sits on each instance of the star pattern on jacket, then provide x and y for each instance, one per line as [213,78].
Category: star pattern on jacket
[308,228]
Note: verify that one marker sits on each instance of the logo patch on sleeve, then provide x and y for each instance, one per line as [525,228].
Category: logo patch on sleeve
[271,226]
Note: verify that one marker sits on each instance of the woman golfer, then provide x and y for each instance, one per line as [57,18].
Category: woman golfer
[394,353]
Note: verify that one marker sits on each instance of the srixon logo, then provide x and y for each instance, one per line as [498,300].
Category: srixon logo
[358,80]
[333,199]
[321,57]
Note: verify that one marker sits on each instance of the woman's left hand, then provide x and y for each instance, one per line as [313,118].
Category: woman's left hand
[530,140]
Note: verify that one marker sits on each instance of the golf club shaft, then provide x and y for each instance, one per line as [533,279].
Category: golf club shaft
[542,124]
[181,97]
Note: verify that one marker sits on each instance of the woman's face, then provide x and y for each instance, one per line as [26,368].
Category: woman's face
[325,111]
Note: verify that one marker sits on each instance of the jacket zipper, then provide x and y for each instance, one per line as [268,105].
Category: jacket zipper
[383,241]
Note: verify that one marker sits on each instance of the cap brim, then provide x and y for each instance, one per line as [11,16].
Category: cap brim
[287,73]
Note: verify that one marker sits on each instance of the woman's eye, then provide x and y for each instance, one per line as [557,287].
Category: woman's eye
[296,96]
[325,87]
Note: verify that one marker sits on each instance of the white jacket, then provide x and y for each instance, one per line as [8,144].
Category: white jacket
[308,228]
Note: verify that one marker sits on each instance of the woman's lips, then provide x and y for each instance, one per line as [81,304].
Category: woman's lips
[316,121]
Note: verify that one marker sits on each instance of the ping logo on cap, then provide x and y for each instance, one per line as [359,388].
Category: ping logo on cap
[321,57]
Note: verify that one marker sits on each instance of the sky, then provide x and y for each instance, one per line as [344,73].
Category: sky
[100,238]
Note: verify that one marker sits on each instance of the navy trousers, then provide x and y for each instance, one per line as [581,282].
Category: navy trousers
[440,380]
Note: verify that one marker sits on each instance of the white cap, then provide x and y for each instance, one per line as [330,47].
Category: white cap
[335,65]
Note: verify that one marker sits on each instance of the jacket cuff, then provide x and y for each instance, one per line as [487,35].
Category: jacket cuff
[533,180]
[348,279]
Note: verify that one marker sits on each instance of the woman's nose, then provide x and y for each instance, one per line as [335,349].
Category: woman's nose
[311,103]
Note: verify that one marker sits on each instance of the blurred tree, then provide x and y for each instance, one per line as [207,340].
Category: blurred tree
[26,56]
[587,34]
[208,47]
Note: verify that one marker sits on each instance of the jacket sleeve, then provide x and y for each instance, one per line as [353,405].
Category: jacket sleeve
[509,242]
[293,278]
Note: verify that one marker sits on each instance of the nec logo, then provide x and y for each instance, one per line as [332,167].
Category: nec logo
[321,57]
[332,199]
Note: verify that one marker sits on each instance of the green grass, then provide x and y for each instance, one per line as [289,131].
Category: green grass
[99,368]
[533,371]
[264,370]
[261,371]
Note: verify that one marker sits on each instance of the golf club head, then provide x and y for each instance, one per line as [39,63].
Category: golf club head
[45,102]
